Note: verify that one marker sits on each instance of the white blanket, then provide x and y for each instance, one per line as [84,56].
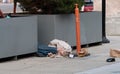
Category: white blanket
[62,44]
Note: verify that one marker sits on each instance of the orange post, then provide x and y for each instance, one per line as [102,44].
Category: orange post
[77,18]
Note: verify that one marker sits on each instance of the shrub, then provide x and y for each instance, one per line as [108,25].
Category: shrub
[49,6]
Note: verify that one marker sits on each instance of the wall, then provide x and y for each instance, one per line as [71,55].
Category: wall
[112,15]
[9,1]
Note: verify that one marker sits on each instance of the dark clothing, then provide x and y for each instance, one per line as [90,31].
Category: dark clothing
[43,50]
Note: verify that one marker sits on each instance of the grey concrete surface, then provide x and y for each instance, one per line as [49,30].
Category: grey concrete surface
[113,25]
[109,69]
[8,8]
[40,65]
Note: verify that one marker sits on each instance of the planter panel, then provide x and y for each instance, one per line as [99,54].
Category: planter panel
[92,22]
[63,27]
[18,36]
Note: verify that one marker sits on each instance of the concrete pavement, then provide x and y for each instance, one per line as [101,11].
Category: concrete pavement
[109,69]
[8,8]
[39,65]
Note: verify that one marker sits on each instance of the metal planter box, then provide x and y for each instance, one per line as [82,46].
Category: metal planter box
[63,27]
[18,36]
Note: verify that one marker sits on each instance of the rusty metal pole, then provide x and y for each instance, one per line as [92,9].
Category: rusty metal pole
[1,14]
[77,19]
[14,8]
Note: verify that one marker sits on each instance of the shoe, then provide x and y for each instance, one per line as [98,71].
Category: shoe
[51,55]
[110,60]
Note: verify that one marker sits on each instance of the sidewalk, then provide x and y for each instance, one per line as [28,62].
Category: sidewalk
[8,8]
[39,65]
[109,69]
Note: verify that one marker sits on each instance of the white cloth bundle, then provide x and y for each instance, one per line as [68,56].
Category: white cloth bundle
[61,44]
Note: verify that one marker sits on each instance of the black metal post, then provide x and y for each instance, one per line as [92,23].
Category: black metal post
[104,39]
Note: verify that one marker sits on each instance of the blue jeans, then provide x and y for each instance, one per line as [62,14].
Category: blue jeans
[44,50]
